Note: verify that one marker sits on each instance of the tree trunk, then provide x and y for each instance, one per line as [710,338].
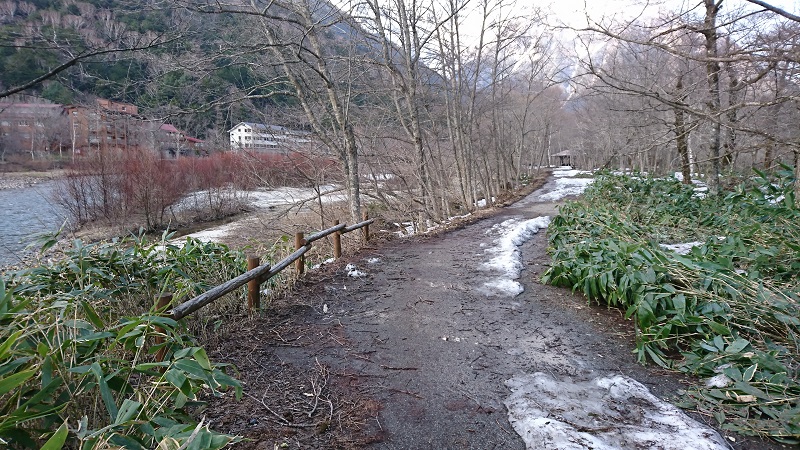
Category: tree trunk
[768,155]
[797,178]
[712,77]
[732,114]
[681,138]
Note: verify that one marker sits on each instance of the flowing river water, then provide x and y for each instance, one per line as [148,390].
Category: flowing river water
[24,214]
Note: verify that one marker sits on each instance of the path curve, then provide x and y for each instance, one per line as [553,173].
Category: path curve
[430,350]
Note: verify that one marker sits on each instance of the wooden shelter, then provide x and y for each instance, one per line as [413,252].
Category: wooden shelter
[564,158]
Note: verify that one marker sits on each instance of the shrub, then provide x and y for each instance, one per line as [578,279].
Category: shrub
[729,308]
[76,349]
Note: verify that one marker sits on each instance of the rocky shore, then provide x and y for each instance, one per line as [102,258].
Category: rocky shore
[17,180]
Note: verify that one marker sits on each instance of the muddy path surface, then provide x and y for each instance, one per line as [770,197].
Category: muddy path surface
[411,350]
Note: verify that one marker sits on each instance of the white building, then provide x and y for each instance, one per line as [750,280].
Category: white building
[274,138]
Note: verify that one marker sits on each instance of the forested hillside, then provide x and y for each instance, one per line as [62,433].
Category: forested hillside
[144,53]
[459,101]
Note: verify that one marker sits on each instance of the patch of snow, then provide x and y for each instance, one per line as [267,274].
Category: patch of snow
[210,235]
[381,176]
[373,261]
[775,200]
[327,261]
[719,381]
[605,413]
[629,172]
[566,187]
[406,229]
[568,172]
[682,249]
[506,286]
[679,176]
[482,202]
[506,256]
[200,199]
[266,199]
[352,271]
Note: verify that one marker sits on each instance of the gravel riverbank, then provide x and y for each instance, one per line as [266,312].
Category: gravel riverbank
[17,180]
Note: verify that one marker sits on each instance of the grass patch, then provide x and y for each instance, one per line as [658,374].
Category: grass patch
[726,311]
[77,366]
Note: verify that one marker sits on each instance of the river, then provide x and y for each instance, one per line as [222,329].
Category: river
[24,214]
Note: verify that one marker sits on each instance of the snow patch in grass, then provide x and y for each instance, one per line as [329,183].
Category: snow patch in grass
[506,257]
[603,414]
[719,381]
[683,248]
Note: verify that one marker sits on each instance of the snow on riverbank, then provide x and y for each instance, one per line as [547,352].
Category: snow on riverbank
[289,195]
[261,200]
[505,254]
[605,413]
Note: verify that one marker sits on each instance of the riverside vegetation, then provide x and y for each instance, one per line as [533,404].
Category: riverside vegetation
[727,311]
[77,341]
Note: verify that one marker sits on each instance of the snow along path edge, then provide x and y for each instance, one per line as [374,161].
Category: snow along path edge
[605,413]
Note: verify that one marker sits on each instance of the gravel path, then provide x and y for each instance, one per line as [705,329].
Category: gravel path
[416,354]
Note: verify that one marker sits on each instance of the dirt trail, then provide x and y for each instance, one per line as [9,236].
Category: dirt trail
[415,354]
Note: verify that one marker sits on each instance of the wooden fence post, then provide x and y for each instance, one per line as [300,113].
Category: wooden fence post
[299,242]
[337,243]
[253,286]
[366,227]
[162,302]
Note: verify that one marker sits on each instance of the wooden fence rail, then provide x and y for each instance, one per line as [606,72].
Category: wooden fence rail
[261,273]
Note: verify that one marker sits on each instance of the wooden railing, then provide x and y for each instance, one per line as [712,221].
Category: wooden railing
[257,274]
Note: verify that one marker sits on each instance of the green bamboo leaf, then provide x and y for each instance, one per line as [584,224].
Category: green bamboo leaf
[11,382]
[656,357]
[719,343]
[92,316]
[192,368]
[6,345]
[748,388]
[719,328]
[749,372]
[56,441]
[679,303]
[99,336]
[737,346]
[43,393]
[202,358]
[127,411]
[176,378]
[126,442]
[105,391]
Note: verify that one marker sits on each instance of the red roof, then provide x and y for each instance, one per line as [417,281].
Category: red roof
[169,128]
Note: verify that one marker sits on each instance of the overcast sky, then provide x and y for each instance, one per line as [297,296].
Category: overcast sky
[573,12]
